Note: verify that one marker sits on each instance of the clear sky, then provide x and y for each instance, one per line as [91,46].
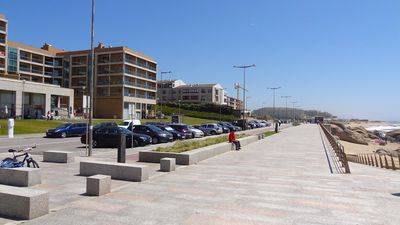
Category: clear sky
[340,56]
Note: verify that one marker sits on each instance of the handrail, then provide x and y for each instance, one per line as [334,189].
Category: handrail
[338,148]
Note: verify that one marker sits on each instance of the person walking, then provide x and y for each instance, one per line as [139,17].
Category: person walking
[232,139]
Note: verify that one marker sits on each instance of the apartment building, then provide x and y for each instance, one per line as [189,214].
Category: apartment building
[125,80]
[177,90]
[235,103]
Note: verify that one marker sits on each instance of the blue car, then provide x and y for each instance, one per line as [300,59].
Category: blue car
[67,130]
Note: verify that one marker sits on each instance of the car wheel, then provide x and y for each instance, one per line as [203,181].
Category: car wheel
[63,135]
[155,140]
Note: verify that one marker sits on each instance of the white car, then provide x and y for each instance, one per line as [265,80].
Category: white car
[196,132]
[127,123]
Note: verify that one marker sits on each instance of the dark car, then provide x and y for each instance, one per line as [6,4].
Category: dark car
[176,134]
[105,124]
[242,123]
[183,128]
[157,135]
[230,127]
[110,137]
[207,132]
[225,129]
[67,130]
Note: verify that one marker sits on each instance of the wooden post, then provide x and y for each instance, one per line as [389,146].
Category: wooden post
[393,165]
[376,161]
[386,163]
[372,160]
[380,160]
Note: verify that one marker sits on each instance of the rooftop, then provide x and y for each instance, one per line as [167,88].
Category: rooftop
[51,50]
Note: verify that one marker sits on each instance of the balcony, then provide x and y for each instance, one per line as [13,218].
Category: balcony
[37,71]
[48,73]
[2,40]
[2,28]
[25,69]
[24,57]
[49,63]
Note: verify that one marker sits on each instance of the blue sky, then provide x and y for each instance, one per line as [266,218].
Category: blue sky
[340,56]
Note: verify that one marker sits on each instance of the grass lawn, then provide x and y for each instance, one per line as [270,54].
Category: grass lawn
[183,146]
[269,133]
[40,126]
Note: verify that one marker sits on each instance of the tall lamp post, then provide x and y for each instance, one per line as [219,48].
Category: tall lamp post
[244,67]
[286,99]
[273,98]
[91,81]
[293,117]
[161,83]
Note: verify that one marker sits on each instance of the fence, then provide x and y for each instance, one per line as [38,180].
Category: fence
[338,148]
[378,160]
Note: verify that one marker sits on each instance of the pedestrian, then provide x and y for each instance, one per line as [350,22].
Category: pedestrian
[232,139]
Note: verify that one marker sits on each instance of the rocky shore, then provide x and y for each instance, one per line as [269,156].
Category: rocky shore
[357,139]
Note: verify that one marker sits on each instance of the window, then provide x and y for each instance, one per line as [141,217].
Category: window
[12,60]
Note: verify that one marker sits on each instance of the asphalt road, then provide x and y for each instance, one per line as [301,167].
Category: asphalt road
[63,144]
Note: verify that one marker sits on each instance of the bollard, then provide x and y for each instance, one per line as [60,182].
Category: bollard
[276,127]
[122,149]
[10,125]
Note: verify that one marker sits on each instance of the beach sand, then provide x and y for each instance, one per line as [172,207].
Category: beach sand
[351,148]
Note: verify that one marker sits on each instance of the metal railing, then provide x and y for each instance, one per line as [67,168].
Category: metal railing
[387,161]
[338,149]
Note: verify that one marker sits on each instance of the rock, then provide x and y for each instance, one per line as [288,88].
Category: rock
[364,132]
[346,134]
[394,134]
[339,124]
[382,151]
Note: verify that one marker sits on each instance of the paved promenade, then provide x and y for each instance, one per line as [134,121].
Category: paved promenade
[283,179]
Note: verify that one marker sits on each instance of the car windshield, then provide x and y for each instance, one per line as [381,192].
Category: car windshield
[126,123]
[169,128]
[154,128]
[65,125]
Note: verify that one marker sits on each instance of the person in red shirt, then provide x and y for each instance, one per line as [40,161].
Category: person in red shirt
[232,139]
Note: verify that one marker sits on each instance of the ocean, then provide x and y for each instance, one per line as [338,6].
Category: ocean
[390,126]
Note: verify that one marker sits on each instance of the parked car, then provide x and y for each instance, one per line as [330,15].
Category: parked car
[67,130]
[183,128]
[127,123]
[207,132]
[243,124]
[109,136]
[176,134]
[227,125]
[224,128]
[105,124]
[213,128]
[196,132]
[157,135]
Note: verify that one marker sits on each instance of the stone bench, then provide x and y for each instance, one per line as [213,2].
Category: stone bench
[118,171]
[167,164]
[22,177]
[98,185]
[23,203]
[58,157]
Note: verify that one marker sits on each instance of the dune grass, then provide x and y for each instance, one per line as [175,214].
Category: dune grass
[183,146]
[269,133]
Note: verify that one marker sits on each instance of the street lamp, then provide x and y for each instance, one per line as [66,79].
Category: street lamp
[244,67]
[161,84]
[293,111]
[286,99]
[91,81]
[273,100]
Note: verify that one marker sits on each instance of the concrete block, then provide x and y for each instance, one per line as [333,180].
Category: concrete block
[23,203]
[98,185]
[21,177]
[58,156]
[167,164]
[118,171]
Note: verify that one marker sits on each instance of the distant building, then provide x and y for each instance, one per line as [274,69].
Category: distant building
[235,103]
[176,90]
[125,80]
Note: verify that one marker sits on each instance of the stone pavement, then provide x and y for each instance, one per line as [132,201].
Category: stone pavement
[283,179]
